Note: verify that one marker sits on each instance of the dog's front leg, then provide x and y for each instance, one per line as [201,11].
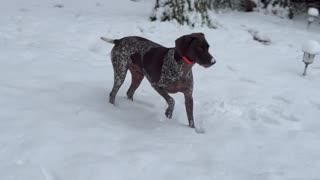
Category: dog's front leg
[189,107]
[168,98]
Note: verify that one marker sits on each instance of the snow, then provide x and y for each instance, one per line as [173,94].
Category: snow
[311,47]
[313,11]
[260,116]
[310,19]
[260,36]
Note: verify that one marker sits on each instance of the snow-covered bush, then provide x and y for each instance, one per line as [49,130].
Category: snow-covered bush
[260,37]
[313,12]
[190,12]
[281,8]
[248,5]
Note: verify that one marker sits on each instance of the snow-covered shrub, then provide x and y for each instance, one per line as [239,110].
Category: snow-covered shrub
[248,5]
[190,12]
[281,8]
[313,12]
[260,37]
[219,4]
[243,5]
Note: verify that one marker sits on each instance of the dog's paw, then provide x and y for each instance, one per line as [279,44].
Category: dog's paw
[130,98]
[111,100]
[130,95]
[169,112]
[192,125]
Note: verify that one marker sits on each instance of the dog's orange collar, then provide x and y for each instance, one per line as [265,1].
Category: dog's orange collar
[186,60]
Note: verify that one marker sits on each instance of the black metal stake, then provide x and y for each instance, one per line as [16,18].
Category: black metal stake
[305,69]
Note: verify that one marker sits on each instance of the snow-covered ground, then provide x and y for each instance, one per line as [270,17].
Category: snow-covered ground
[260,115]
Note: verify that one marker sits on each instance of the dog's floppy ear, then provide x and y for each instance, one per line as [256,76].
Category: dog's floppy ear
[183,43]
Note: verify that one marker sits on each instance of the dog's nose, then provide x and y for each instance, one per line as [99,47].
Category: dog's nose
[213,61]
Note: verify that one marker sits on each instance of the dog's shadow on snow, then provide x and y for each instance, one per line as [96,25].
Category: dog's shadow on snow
[142,114]
[138,102]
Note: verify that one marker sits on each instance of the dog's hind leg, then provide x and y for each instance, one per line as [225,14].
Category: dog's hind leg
[136,79]
[120,69]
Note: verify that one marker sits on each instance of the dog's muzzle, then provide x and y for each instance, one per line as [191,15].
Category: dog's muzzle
[212,62]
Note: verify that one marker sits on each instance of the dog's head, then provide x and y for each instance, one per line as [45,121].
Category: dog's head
[195,47]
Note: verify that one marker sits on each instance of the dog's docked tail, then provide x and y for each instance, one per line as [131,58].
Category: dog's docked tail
[108,40]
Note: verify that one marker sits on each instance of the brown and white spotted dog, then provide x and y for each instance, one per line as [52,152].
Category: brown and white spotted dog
[169,70]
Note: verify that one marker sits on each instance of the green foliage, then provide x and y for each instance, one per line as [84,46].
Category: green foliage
[189,12]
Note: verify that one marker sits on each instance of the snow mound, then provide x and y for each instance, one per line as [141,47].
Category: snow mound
[313,12]
[260,36]
[311,47]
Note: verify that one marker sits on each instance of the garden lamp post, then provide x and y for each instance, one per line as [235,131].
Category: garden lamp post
[307,59]
[310,49]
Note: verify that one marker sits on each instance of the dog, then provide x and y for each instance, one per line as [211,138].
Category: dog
[169,70]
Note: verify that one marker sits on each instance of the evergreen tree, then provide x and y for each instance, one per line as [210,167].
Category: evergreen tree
[190,12]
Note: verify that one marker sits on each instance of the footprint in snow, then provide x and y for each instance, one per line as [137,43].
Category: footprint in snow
[291,118]
[247,80]
[282,99]
[58,5]
[316,105]
[232,68]
[269,120]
